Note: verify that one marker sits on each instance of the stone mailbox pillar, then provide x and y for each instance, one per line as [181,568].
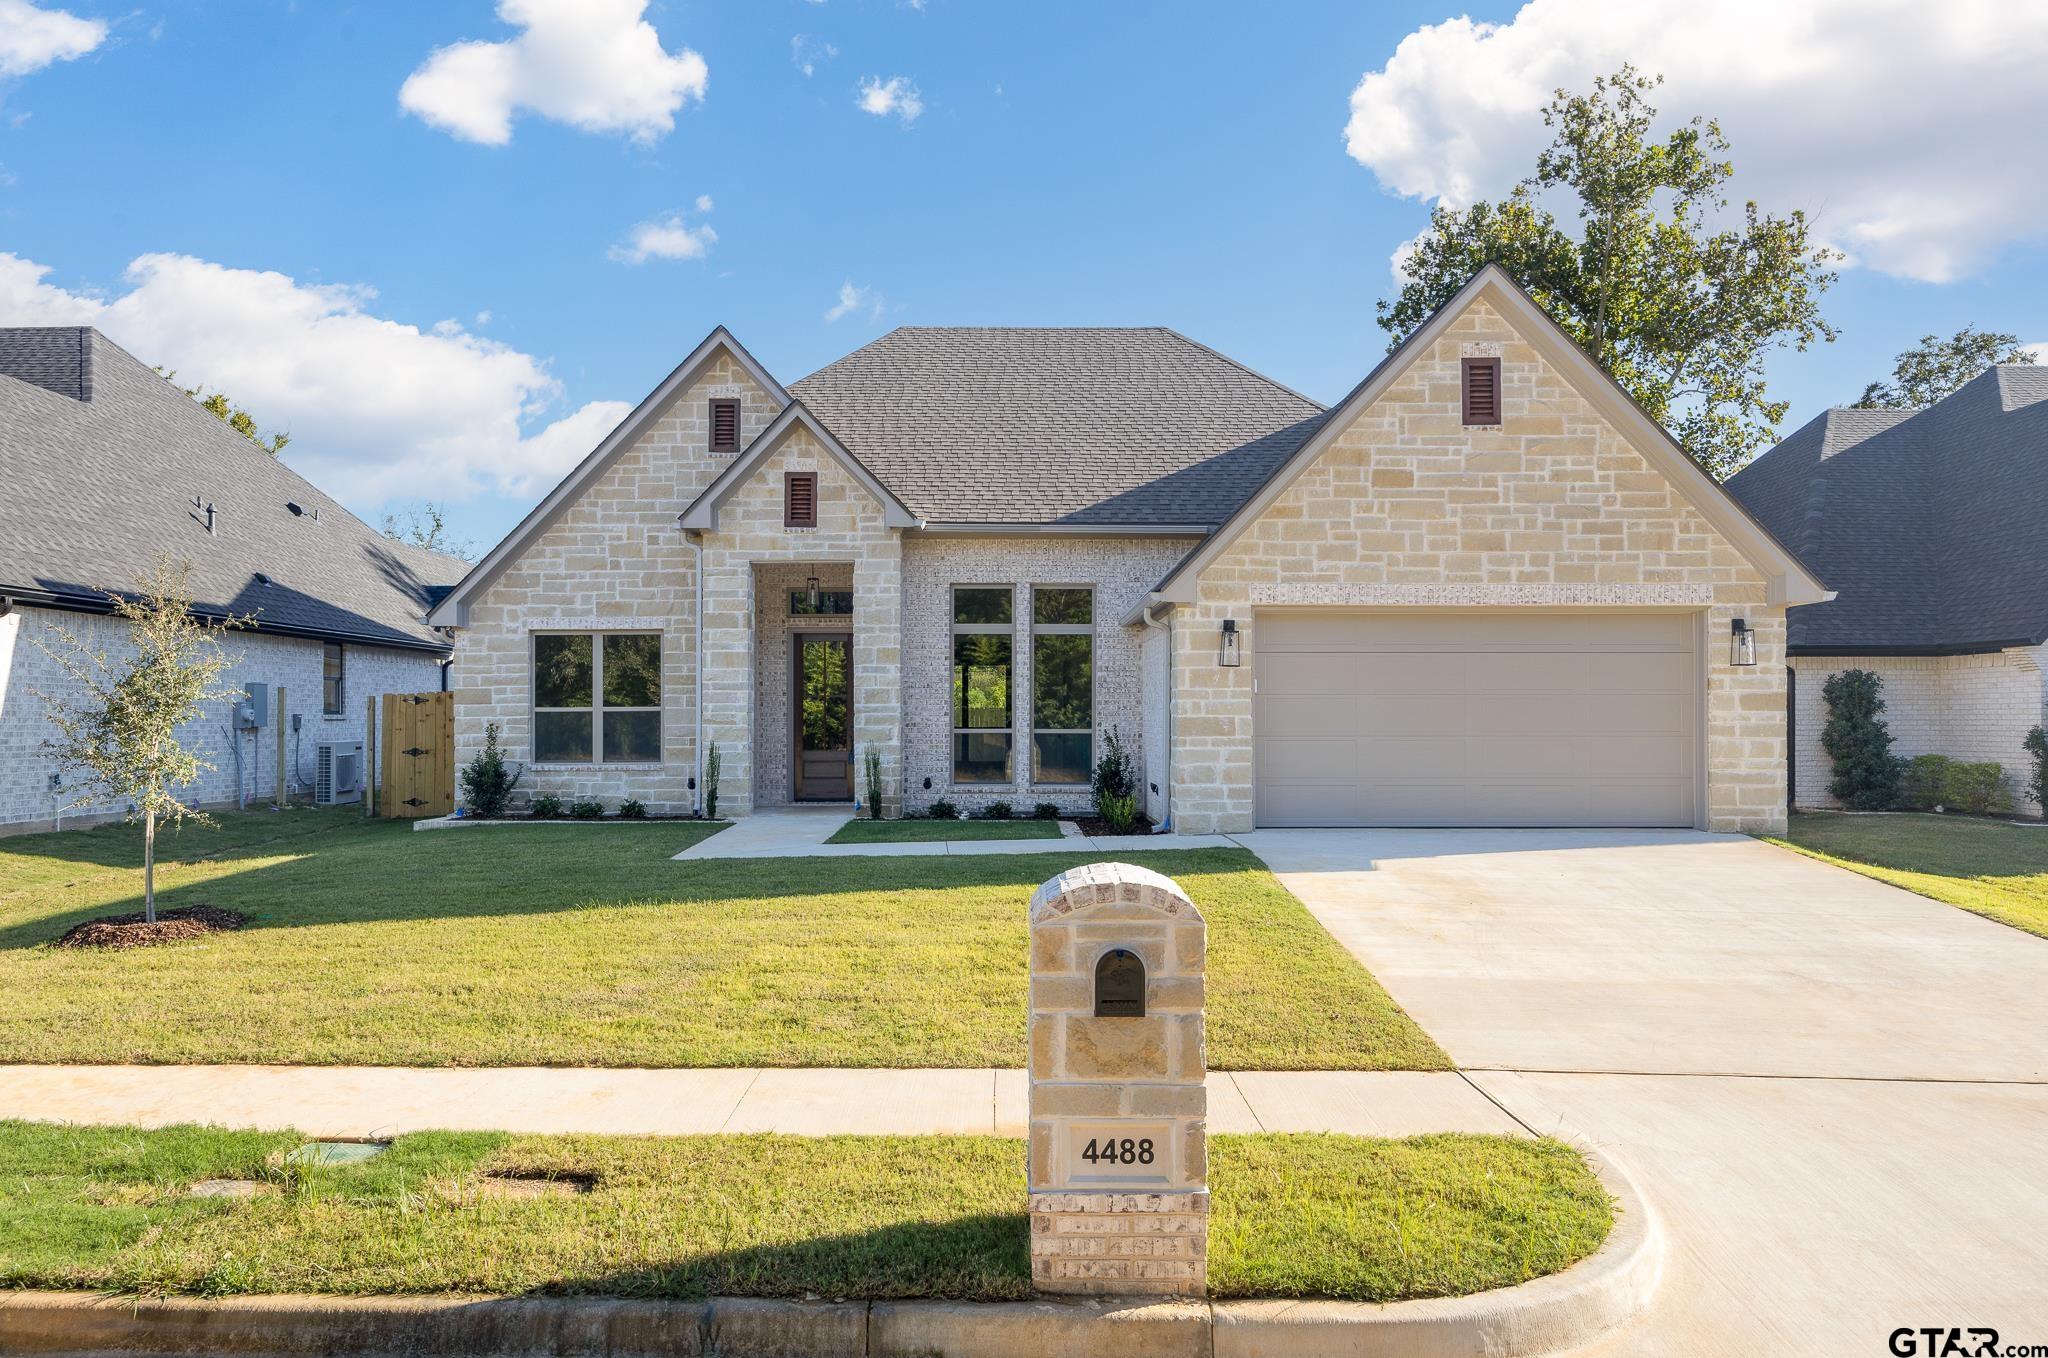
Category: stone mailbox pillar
[1119,1160]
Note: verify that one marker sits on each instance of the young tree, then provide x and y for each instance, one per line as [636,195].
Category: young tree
[121,728]
[426,525]
[1937,367]
[1680,308]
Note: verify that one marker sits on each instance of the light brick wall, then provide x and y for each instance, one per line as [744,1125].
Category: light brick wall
[1409,508]
[1970,707]
[27,801]
[615,559]
[1120,570]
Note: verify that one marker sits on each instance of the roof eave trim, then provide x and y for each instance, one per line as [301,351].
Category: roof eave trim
[957,528]
[1789,581]
[453,610]
[82,603]
[701,516]
[1876,650]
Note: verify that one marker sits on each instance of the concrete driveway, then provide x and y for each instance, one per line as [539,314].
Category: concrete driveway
[1833,1091]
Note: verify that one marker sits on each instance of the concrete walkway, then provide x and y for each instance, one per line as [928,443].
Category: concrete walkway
[1833,1092]
[367,1101]
[801,832]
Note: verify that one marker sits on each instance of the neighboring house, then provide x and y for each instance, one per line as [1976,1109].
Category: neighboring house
[106,466]
[1484,589]
[1932,527]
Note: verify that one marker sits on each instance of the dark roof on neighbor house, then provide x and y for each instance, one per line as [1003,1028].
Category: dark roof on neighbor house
[1069,425]
[105,465]
[1930,525]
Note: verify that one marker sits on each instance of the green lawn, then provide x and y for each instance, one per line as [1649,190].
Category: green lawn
[585,945]
[1987,867]
[927,831]
[685,1217]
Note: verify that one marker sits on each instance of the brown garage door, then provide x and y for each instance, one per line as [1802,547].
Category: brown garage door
[1476,719]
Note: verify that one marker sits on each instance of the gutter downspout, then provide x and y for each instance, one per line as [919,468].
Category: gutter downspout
[1145,611]
[696,542]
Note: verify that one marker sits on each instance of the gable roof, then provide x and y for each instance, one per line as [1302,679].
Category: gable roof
[1932,525]
[1069,426]
[1790,582]
[702,512]
[103,462]
[453,610]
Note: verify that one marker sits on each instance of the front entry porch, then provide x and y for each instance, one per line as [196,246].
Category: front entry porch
[804,693]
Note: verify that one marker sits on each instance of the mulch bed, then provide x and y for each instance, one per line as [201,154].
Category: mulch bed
[129,931]
[1092,826]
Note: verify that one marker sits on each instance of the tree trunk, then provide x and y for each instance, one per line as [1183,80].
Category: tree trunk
[149,867]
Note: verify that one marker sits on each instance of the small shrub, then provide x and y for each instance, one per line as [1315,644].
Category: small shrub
[1856,739]
[1976,788]
[2037,782]
[711,762]
[1119,813]
[944,810]
[1045,811]
[547,806]
[583,810]
[632,809]
[1923,782]
[1114,776]
[994,811]
[874,772]
[487,781]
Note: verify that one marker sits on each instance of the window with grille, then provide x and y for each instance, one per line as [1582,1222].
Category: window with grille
[596,698]
[1062,683]
[983,641]
[331,670]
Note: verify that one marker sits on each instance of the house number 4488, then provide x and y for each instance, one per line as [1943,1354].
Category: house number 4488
[1110,1150]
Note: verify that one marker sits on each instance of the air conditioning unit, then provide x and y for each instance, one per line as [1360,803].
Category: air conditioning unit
[338,772]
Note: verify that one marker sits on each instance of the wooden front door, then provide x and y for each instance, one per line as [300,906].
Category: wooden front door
[821,703]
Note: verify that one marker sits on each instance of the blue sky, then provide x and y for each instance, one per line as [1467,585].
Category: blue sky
[303,232]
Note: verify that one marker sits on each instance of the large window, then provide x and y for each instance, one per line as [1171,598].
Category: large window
[1062,683]
[983,638]
[596,698]
[330,678]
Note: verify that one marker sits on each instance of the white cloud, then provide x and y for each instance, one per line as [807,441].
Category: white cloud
[377,409]
[852,299]
[807,51]
[32,38]
[593,64]
[895,95]
[2037,351]
[670,237]
[1904,129]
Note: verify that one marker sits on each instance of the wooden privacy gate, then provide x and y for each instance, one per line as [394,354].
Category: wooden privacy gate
[415,744]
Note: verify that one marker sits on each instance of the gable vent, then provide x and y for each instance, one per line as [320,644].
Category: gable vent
[1482,390]
[725,425]
[799,499]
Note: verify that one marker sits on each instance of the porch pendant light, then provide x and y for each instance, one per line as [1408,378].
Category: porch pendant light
[1741,644]
[812,586]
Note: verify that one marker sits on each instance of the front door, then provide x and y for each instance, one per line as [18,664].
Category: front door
[822,703]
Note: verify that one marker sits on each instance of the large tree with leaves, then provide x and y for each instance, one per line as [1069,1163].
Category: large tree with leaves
[118,723]
[1679,301]
[1936,367]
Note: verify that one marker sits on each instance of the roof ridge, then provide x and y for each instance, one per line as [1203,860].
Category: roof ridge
[1241,366]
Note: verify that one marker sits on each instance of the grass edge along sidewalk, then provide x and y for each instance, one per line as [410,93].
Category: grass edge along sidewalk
[860,1218]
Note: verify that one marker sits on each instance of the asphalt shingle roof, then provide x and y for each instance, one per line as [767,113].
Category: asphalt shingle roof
[102,460]
[1931,525]
[1072,425]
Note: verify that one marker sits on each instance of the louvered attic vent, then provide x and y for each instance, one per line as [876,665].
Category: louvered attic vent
[799,499]
[725,425]
[1482,390]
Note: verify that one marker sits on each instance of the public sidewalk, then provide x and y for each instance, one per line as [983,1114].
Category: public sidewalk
[378,1101]
[801,832]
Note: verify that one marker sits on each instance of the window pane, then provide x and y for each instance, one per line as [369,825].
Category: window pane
[981,682]
[561,674]
[821,724]
[561,737]
[632,671]
[836,603]
[631,737]
[1061,758]
[1062,605]
[981,758]
[981,605]
[1061,666]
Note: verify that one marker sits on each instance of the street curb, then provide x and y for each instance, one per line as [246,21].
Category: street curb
[1565,1310]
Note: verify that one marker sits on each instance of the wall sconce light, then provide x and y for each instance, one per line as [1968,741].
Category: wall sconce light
[812,585]
[1741,644]
[1230,653]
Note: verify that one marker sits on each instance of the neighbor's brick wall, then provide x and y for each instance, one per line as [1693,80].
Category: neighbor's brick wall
[1120,570]
[1971,707]
[614,560]
[26,800]
[1410,508]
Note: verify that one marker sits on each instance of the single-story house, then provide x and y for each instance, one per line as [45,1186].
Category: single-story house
[106,466]
[1932,527]
[1482,589]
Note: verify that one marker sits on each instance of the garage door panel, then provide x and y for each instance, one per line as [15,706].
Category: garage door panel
[1476,719]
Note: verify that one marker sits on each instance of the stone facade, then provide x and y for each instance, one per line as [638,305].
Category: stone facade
[1133,1220]
[1411,509]
[29,802]
[1969,707]
[1120,570]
